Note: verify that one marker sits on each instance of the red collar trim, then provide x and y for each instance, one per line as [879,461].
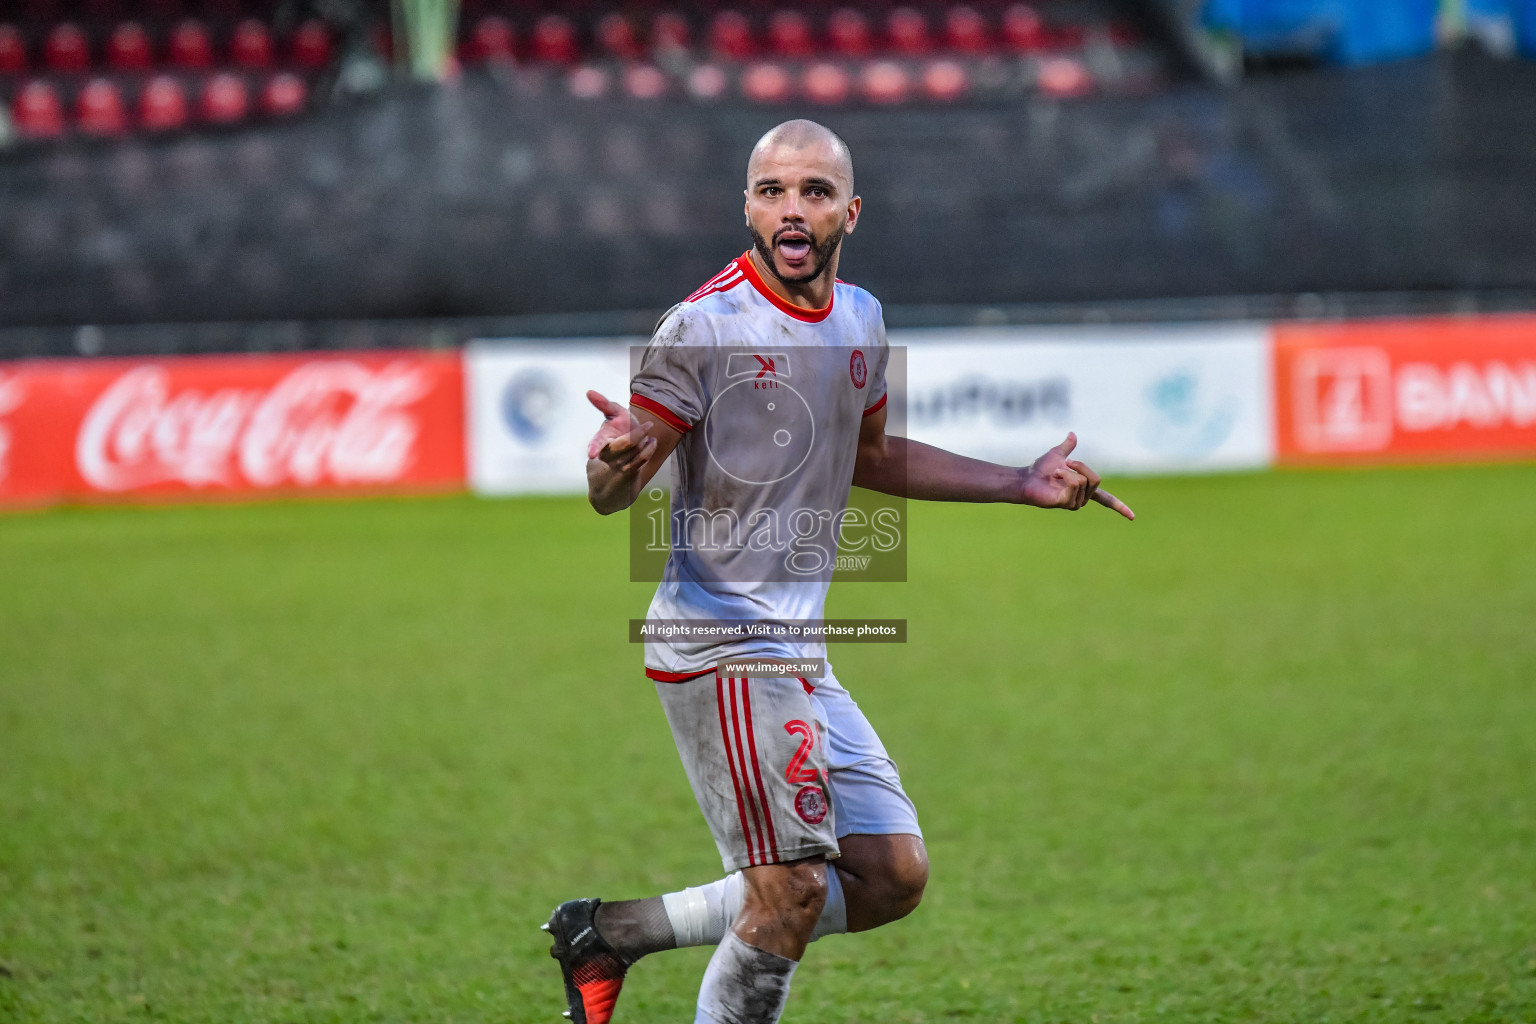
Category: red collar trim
[810,316]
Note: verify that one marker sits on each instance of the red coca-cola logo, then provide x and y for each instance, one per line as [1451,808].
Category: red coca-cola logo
[324,422]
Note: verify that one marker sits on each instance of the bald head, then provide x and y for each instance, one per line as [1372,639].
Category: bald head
[803,138]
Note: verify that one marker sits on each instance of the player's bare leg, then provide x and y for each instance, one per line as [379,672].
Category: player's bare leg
[882,878]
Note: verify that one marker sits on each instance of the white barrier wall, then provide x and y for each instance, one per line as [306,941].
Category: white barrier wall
[1141,399]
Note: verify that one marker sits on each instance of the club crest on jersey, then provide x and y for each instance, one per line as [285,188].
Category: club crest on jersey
[811,804]
[857,368]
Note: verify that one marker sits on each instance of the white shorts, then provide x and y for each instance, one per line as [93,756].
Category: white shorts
[763,755]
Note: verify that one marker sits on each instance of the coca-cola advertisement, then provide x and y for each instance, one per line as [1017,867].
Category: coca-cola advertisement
[206,427]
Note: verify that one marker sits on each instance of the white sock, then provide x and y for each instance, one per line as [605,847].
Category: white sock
[701,915]
[744,985]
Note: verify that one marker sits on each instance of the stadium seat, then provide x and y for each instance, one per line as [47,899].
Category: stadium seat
[617,38]
[588,83]
[554,40]
[312,45]
[38,112]
[789,34]
[826,83]
[284,95]
[1023,29]
[730,36]
[13,51]
[190,46]
[162,104]
[670,33]
[67,49]
[707,82]
[965,30]
[224,99]
[848,31]
[908,30]
[884,82]
[644,82]
[129,48]
[493,39]
[1064,77]
[945,80]
[766,83]
[251,45]
[99,109]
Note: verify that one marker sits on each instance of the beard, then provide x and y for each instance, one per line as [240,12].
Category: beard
[821,253]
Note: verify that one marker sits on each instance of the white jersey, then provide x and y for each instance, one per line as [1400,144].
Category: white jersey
[770,399]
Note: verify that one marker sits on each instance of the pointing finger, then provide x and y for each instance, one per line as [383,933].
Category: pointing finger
[1110,501]
[1065,448]
[605,405]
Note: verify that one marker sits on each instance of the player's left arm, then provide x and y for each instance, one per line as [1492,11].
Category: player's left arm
[911,469]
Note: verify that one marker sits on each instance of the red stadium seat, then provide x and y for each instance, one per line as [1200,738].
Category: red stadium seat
[190,46]
[884,81]
[284,95]
[38,111]
[224,99]
[645,82]
[129,48]
[493,39]
[1024,30]
[789,34]
[99,108]
[670,33]
[945,80]
[965,30]
[67,49]
[554,40]
[1063,76]
[730,36]
[849,31]
[251,45]
[312,45]
[13,51]
[617,37]
[766,83]
[908,30]
[162,104]
[826,83]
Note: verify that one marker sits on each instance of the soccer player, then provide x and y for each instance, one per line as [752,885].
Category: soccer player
[767,386]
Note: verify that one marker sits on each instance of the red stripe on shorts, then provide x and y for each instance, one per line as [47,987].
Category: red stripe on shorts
[741,754]
[725,736]
[757,770]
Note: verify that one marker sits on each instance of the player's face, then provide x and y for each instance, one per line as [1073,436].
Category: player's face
[799,207]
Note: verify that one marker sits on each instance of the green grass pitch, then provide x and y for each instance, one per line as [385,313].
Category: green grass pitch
[1268,754]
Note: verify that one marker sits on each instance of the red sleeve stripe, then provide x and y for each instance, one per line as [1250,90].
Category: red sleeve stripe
[724,281]
[878,405]
[668,417]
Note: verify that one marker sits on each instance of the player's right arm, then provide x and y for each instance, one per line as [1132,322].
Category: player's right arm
[623,455]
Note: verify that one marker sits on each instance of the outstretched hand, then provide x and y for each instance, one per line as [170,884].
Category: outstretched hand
[1055,481]
[622,441]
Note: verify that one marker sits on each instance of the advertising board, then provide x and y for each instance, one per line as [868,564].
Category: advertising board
[230,426]
[1182,399]
[1406,390]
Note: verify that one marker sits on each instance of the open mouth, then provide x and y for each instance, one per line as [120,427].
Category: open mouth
[794,246]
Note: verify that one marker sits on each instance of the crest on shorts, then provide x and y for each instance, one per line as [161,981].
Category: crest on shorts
[857,368]
[811,804]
